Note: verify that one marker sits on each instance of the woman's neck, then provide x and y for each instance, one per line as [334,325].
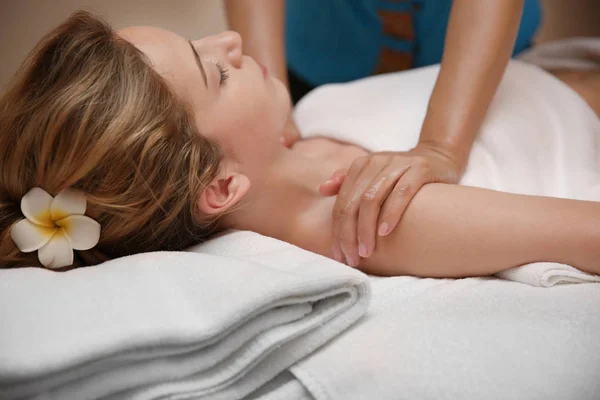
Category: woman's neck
[285,203]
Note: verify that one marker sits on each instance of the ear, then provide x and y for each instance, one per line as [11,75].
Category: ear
[224,192]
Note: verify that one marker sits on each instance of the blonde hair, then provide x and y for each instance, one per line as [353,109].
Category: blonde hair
[87,111]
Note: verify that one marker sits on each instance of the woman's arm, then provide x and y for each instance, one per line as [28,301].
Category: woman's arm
[479,42]
[460,231]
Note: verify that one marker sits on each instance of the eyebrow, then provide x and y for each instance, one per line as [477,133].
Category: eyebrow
[197,56]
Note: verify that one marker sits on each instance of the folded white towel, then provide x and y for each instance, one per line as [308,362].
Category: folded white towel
[547,274]
[539,137]
[476,338]
[169,325]
[446,339]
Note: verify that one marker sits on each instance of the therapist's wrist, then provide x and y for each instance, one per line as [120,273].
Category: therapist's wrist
[454,154]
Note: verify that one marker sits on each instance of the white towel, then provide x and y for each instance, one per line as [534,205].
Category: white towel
[446,339]
[539,137]
[170,325]
[467,339]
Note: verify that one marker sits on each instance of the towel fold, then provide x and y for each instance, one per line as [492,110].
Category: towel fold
[544,274]
[474,338]
[538,138]
[445,339]
[169,325]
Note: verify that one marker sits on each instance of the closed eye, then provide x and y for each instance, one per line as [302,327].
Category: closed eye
[223,73]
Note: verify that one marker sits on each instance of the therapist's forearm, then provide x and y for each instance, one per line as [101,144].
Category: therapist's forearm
[261,25]
[479,42]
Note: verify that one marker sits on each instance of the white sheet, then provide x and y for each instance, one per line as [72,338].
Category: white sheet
[468,339]
[478,338]
[539,138]
[170,325]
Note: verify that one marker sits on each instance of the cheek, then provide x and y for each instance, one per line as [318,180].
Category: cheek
[246,131]
[261,115]
[248,120]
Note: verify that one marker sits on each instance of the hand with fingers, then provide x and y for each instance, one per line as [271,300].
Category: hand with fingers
[373,194]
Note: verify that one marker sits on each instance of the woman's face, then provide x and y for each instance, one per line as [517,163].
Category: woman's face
[236,102]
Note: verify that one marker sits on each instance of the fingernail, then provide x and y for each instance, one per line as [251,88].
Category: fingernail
[282,140]
[362,250]
[351,261]
[336,254]
[383,229]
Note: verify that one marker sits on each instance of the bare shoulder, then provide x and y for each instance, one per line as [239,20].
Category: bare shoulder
[323,147]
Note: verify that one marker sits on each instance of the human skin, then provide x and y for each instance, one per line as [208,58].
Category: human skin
[261,24]
[479,41]
[267,188]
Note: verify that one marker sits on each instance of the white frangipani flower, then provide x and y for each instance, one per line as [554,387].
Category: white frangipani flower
[55,226]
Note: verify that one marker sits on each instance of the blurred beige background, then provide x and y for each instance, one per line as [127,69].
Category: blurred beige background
[23,22]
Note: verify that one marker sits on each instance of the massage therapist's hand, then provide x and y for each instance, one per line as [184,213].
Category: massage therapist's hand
[373,194]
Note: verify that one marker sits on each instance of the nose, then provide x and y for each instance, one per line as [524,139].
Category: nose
[227,45]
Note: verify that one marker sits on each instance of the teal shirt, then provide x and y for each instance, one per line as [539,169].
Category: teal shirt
[342,40]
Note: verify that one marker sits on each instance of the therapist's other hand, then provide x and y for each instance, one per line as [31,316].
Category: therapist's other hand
[291,134]
[373,194]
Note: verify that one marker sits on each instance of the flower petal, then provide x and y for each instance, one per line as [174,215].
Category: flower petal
[30,237]
[57,253]
[83,232]
[35,206]
[68,202]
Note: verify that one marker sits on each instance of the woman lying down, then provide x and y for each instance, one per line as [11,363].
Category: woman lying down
[114,143]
